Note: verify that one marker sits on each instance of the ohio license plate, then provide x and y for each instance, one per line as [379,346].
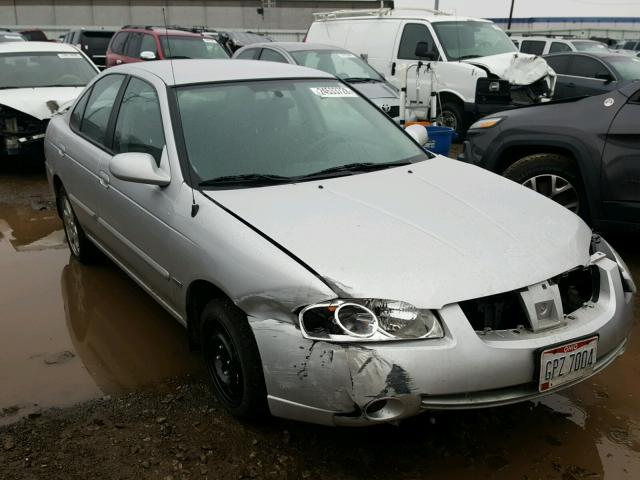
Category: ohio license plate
[566,363]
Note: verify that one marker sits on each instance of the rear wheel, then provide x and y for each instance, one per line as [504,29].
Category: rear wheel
[232,359]
[553,176]
[80,246]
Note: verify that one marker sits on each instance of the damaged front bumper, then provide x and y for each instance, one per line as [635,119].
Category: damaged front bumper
[20,134]
[362,384]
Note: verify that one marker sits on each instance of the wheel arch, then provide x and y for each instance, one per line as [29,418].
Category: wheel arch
[511,152]
[199,293]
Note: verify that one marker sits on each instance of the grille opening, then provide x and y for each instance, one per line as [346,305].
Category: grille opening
[497,312]
[578,287]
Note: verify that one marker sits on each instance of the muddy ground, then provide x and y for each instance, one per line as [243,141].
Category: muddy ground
[96,382]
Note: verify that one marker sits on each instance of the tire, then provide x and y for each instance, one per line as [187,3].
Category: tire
[451,114]
[232,359]
[553,176]
[80,246]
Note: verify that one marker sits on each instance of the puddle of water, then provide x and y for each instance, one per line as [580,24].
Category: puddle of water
[70,332]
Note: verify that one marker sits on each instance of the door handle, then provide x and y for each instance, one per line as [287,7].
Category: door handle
[104,179]
[61,150]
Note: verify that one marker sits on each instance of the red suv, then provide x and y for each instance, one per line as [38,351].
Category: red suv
[136,43]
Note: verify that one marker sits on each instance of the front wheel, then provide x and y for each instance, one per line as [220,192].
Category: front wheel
[232,359]
[451,114]
[553,176]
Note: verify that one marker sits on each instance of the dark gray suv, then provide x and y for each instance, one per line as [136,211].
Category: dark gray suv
[582,153]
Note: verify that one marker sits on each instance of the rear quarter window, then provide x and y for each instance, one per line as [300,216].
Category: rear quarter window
[117,44]
[534,47]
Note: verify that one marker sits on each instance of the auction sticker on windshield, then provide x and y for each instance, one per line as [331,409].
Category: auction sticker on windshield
[566,363]
[333,92]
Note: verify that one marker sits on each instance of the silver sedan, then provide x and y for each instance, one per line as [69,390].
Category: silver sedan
[329,268]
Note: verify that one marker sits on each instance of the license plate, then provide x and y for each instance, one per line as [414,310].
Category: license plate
[566,363]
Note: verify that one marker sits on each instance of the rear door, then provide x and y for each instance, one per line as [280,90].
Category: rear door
[621,164]
[132,48]
[86,146]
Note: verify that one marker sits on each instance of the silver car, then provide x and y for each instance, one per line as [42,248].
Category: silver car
[329,268]
[336,61]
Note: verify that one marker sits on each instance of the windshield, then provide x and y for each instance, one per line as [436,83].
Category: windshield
[472,39]
[191,47]
[36,69]
[286,128]
[583,46]
[628,68]
[342,64]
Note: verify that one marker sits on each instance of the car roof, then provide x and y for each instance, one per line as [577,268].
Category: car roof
[19,47]
[601,55]
[184,72]
[161,30]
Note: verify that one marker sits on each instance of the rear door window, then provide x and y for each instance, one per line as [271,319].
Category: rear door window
[248,54]
[534,47]
[117,45]
[98,110]
[560,64]
[559,47]
[272,56]
[412,34]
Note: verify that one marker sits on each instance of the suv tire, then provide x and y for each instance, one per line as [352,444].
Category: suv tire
[553,176]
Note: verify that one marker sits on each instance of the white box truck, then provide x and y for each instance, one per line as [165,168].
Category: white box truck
[471,63]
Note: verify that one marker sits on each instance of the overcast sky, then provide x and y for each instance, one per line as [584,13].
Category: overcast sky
[542,8]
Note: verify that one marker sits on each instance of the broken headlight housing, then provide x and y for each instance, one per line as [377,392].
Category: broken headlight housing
[368,319]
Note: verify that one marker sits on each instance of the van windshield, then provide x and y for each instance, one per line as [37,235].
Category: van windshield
[472,39]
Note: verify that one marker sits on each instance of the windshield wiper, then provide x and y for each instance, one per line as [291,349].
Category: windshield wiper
[253,179]
[361,80]
[179,57]
[467,57]
[360,167]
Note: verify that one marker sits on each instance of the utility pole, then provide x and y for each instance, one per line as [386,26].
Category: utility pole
[437,5]
[510,14]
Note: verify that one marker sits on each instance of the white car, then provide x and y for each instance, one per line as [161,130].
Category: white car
[539,45]
[475,67]
[37,80]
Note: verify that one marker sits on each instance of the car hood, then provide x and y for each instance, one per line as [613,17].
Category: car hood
[518,68]
[41,102]
[434,233]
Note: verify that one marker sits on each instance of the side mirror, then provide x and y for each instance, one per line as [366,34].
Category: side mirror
[423,50]
[138,168]
[418,133]
[147,55]
[605,76]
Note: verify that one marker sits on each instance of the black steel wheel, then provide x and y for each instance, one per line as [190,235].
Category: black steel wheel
[232,359]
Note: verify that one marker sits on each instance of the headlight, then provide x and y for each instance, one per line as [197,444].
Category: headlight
[486,123]
[368,320]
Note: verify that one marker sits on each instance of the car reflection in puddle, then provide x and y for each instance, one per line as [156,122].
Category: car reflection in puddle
[124,338]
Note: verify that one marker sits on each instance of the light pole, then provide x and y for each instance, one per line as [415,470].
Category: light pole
[437,5]
[510,14]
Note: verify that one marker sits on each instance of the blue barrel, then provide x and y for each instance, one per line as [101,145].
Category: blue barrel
[440,139]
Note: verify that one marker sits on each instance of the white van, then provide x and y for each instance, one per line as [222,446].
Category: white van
[477,69]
